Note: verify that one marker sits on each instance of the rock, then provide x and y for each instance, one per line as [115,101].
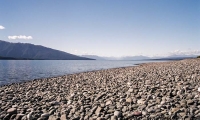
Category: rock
[93,118]
[117,113]
[55,103]
[124,109]
[25,118]
[190,102]
[110,111]
[174,110]
[130,90]
[182,114]
[52,111]
[6,117]
[144,113]
[63,117]
[93,109]
[12,111]
[183,103]
[13,116]
[42,118]
[45,115]
[98,110]
[99,96]
[86,117]
[119,106]
[52,117]
[101,118]
[109,102]
[150,110]
[102,105]
[198,89]
[128,100]
[14,106]
[113,118]
[122,100]
[162,102]
[30,116]
[19,116]
[128,83]
[141,102]
[137,113]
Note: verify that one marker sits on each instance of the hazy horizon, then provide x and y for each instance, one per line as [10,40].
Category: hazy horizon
[105,28]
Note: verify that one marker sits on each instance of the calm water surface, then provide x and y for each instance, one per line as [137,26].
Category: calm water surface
[12,71]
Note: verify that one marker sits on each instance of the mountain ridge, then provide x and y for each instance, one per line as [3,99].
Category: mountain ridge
[31,51]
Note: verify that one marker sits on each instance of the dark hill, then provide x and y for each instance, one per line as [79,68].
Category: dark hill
[30,51]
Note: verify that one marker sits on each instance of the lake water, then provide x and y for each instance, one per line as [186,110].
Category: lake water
[12,71]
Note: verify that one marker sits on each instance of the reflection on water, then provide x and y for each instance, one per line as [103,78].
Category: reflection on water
[12,71]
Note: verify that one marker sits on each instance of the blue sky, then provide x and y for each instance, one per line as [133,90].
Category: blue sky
[104,27]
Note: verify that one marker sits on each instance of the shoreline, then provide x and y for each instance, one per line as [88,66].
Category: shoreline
[134,65]
[148,90]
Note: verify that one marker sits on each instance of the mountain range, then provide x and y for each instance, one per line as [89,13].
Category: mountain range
[24,51]
[116,58]
[37,52]
[140,57]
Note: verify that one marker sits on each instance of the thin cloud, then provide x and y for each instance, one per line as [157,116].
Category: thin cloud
[2,27]
[20,37]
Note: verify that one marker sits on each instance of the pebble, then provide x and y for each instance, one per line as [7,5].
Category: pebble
[45,115]
[130,90]
[30,116]
[141,102]
[63,117]
[12,111]
[129,100]
[190,102]
[164,89]
[137,113]
[19,116]
[113,118]
[101,118]
[98,110]
[109,102]
[198,89]
[117,113]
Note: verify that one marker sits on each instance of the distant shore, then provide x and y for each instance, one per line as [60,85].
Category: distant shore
[12,58]
[165,90]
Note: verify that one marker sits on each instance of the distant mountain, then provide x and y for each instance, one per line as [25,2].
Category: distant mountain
[175,57]
[182,56]
[116,58]
[30,51]
[140,57]
[93,57]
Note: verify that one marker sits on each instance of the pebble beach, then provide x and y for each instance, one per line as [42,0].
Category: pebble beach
[164,90]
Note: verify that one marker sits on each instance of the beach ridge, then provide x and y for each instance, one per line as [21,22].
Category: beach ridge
[148,91]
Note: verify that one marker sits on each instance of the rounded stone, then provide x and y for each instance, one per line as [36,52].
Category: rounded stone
[117,113]
[109,102]
[137,113]
[12,111]
[128,100]
[45,115]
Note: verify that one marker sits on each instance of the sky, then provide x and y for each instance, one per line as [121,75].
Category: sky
[104,27]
